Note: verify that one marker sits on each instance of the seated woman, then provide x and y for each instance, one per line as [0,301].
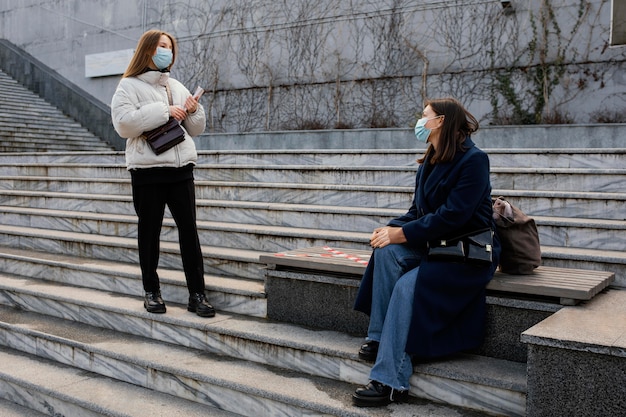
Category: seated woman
[421,307]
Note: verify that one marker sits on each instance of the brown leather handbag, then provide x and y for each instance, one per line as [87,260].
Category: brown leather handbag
[165,136]
[521,250]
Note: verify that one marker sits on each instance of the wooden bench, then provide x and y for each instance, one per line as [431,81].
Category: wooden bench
[567,286]
[316,287]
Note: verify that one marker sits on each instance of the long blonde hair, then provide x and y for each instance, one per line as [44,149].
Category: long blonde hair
[145,50]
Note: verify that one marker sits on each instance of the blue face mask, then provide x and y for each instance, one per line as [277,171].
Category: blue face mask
[163,58]
[421,131]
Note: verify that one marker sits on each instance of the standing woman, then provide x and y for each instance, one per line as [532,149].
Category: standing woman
[421,307]
[145,99]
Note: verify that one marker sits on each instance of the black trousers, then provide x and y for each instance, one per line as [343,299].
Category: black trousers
[150,201]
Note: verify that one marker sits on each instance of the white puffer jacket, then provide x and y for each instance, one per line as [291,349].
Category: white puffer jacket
[139,104]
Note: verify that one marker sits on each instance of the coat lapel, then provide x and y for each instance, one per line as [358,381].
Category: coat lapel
[426,185]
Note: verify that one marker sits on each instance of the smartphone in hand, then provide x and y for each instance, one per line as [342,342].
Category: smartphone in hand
[198,93]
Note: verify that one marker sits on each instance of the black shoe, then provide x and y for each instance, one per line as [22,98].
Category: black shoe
[199,305]
[153,302]
[368,351]
[376,394]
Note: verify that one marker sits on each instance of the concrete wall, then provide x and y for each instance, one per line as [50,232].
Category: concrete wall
[537,136]
[291,65]
[60,92]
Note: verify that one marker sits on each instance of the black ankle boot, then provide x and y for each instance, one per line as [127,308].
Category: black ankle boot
[376,394]
[368,351]
[199,305]
[153,302]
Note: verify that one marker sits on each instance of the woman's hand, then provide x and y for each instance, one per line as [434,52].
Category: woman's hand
[191,104]
[178,113]
[387,235]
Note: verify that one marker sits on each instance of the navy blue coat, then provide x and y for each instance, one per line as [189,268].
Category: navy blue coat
[449,304]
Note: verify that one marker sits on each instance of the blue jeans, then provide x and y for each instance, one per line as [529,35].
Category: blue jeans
[395,274]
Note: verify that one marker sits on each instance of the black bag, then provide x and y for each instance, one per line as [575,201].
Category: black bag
[165,137]
[521,250]
[473,248]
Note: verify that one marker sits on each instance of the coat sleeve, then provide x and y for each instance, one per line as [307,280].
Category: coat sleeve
[130,117]
[195,122]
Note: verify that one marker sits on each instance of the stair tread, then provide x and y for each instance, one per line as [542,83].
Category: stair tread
[26,117]
[540,220]
[92,265]
[202,224]
[276,334]
[222,252]
[10,409]
[96,393]
[617,256]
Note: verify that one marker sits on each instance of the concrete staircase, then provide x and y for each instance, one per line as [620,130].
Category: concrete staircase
[30,124]
[75,339]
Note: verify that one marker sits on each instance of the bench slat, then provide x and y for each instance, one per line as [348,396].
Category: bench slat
[563,283]
[344,261]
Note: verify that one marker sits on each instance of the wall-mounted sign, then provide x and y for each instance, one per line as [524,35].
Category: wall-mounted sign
[107,63]
[618,23]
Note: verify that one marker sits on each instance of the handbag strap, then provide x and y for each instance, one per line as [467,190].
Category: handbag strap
[169,93]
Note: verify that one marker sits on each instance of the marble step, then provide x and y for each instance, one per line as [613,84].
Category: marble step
[500,158]
[11,409]
[19,97]
[10,147]
[301,193]
[553,231]
[248,212]
[284,193]
[584,258]
[42,386]
[243,262]
[329,178]
[56,123]
[228,294]
[267,237]
[228,262]
[561,179]
[562,231]
[64,157]
[23,134]
[42,136]
[572,204]
[47,145]
[582,233]
[239,348]
[243,173]
[64,170]
[591,205]
[588,158]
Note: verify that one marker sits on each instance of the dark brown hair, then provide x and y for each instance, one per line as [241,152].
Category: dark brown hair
[145,50]
[458,123]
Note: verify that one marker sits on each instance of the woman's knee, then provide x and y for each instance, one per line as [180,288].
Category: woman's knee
[406,283]
[400,254]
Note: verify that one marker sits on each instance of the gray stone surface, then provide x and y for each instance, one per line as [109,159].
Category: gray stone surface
[503,330]
[74,101]
[488,137]
[323,302]
[566,383]
[577,360]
